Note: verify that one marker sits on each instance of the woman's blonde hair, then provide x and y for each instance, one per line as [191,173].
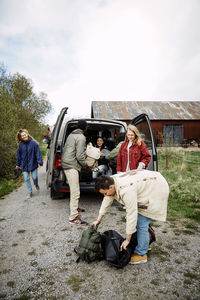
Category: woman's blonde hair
[134,129]
[19,133]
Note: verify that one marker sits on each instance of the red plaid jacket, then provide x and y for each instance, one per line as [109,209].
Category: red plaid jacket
[136,154]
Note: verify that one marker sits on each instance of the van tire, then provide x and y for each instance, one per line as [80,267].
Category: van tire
[53,194]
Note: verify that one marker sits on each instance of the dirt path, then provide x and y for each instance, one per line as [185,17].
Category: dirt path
[37,259]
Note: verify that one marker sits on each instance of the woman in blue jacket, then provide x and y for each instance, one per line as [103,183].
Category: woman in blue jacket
[28,158]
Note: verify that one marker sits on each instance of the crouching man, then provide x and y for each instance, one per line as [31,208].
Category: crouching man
[145,195]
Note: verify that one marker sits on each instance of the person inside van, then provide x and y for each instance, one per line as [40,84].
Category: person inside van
[100,144]
[73,159]
[103,167]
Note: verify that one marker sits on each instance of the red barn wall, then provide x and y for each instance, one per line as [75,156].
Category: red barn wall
[191,128]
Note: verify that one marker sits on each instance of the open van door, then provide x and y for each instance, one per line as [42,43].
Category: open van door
[144,126]
[53,146]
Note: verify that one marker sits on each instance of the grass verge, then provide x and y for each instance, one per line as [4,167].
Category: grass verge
[8,185]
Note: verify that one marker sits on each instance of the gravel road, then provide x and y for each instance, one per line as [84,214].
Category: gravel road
[37,259]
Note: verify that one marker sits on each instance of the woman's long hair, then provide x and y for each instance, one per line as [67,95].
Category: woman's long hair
[19,138]
[134,129]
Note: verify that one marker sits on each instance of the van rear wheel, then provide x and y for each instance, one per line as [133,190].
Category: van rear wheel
[53,194]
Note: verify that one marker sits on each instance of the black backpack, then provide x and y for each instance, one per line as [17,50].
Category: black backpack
[111,242]
[89,248]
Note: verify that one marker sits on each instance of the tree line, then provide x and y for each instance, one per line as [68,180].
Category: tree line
[20,107]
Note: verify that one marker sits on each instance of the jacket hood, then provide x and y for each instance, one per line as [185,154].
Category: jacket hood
[77,131]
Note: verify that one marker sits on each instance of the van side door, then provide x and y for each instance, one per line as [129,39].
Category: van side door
[143,123]
[53,146]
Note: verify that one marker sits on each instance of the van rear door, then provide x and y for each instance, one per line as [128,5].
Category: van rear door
[53,146]
[144,126]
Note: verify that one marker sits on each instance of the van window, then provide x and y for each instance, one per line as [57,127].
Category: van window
[96,128]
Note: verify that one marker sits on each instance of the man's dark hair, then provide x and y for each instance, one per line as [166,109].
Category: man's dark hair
[82,124]
[103,182]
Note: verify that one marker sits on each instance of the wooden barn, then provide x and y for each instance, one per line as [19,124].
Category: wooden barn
[173,122]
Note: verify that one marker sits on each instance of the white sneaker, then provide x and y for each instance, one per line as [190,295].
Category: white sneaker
[29,196]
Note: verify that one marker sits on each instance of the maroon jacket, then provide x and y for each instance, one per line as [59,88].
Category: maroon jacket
[136,154]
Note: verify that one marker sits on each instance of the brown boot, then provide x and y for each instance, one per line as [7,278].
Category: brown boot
[138,259]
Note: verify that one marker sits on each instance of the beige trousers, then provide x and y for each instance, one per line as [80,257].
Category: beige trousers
[73,180]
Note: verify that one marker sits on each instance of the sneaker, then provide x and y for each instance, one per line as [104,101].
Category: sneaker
[77,221]
[149,249]
[29,196]
[80,209]
[37,187]
[138,259]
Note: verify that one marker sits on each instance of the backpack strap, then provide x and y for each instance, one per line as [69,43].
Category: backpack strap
[151,234]
[78,259]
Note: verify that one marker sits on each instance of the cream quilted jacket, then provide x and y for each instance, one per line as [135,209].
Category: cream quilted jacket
[148,188]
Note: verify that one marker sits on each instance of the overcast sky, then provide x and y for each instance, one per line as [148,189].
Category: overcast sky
[78,51]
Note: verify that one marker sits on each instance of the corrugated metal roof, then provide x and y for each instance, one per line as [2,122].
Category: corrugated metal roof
[156,110]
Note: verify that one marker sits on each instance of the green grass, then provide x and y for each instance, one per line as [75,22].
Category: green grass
[11,284]
[7,185]
[183,177]
[75,282]
[45,243]
[23,297]
[34,263]
[21,231]
[191,275]
[43,149]
[159,252]
[155,282]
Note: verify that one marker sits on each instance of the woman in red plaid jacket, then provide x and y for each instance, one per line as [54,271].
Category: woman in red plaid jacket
[133,153]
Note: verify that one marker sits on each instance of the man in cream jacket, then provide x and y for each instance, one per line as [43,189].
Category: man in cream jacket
[145,195]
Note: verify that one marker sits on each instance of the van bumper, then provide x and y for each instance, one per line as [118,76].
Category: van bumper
[63,187]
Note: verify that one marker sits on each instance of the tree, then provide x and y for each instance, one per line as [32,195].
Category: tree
[20,107]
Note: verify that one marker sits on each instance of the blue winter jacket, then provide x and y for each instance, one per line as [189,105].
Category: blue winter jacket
[29,156]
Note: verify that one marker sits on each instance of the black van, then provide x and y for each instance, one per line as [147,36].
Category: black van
[56,179]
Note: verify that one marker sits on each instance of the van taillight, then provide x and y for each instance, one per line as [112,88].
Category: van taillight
[58,164]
